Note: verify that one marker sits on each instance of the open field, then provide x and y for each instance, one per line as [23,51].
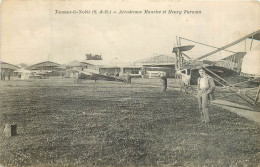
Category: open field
[113,124]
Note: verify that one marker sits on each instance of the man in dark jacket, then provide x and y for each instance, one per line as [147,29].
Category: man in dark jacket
[164,81]
[205,89]
[128,78]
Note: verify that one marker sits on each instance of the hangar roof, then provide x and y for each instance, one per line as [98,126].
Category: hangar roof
[43,64]
[160,59]
[9,66]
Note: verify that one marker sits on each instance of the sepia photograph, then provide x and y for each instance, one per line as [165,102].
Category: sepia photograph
[152,83]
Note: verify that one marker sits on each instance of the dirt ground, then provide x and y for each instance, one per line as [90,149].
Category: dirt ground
[113,124]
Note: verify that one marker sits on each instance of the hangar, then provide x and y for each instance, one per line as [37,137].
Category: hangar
[7,70]
[147,68]
[47,67]
[152,65]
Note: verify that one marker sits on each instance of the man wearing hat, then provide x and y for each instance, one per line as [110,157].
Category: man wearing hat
[205,89]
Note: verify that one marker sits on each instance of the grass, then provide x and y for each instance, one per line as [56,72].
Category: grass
[112,124]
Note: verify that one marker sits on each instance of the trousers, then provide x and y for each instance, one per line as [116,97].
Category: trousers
[164,86]
[203,105]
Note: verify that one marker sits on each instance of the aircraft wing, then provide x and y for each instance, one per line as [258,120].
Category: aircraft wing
[85,75]
[95,76]
[236,57]
[254,35]
[106,78]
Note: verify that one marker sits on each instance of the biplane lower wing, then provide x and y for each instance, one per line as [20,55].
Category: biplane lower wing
[94,76]
[86,76]
[106,78]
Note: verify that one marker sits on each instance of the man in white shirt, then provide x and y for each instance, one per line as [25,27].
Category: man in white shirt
[206,87]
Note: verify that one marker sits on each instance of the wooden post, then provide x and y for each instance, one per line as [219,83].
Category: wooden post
[13,130]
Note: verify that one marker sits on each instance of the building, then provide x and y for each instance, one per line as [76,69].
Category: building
[120,67]
[73,65]
[93,64]
[47,67]
[151,66]
[44,66]
[7,70]
[147,68]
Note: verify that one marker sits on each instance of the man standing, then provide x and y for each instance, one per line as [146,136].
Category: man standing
[206,87]
[164,81]
[76,77]
[128,78]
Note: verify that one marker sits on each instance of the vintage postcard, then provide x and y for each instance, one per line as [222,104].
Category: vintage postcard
[130,83]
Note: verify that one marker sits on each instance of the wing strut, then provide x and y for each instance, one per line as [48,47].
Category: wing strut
[257,95]
[228,45]
[205,44]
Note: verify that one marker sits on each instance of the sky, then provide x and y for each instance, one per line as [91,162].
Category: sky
[31,32]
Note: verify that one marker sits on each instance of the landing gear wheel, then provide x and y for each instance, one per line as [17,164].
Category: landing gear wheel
[189,90]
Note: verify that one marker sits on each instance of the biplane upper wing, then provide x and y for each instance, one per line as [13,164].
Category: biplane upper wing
[254,35]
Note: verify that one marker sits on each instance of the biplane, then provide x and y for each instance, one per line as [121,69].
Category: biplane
[40,74]
[226,76]
[95,75]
